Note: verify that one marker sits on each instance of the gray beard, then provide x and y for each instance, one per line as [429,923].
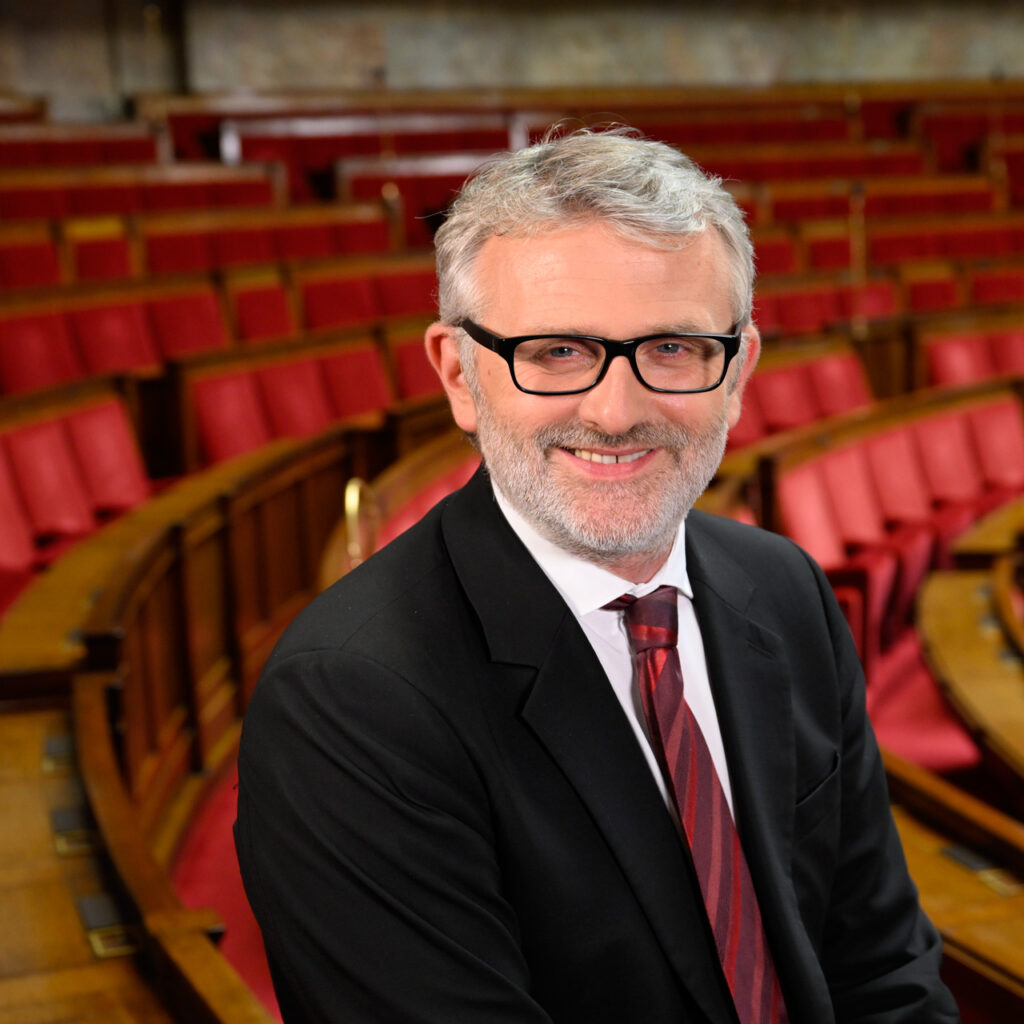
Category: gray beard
[646,515]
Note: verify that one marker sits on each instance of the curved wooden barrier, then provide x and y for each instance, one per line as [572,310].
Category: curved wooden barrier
[152,631]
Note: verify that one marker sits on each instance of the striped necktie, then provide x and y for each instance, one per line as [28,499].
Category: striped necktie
[682,752]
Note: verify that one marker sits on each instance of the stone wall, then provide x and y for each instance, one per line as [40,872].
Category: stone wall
[86,56]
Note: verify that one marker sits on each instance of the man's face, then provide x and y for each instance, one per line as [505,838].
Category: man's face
[610,473]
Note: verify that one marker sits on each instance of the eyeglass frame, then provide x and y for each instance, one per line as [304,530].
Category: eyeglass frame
[505,347]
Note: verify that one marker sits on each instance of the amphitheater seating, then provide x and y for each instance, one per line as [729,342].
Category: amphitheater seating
[46,144]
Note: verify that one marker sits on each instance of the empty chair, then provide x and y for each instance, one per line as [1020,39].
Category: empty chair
[178,252]
[114,337]
[904,493]
[959,359]
[49,482]
[997,429]
[17,550]
[1008,350]
[230,416]
[414,376]
[356,381]
[951,466]
[862,526]
[29,264]
[100,249]
[236,247]
[338,302]
[785,397]
[295,398]
[808,517]
[362,236]
[108,456]
[407,292]
[805,310]
[839,383]
[188,322]
[263,311]
[305,241]
[37,351]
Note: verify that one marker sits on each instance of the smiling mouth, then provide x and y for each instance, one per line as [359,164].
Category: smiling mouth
[609,460]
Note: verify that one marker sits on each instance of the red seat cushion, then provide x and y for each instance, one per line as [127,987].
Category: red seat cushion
[188,322]
[37,351]
[230,416]
[295,397]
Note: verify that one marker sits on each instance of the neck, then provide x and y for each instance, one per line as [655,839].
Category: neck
[636,568]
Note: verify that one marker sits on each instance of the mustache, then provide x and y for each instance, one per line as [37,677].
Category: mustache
[642,435]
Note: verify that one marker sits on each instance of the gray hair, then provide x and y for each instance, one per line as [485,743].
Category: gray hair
[644,190]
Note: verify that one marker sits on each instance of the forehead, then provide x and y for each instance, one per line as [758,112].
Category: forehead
[589,279]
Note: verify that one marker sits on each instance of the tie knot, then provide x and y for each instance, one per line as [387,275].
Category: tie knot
[651,621]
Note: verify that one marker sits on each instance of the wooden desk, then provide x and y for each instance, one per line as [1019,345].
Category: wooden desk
[997,534]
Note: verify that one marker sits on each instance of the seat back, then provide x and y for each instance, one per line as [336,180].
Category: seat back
[997,429]
[295,397]
[37,351]
[230,416]
[108,455]
[114,337]
[356,381]
[839,383]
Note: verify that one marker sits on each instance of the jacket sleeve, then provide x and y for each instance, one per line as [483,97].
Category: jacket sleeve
[880,954]
[365,844]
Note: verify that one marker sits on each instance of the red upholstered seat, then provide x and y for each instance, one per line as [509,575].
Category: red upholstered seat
[49,481]
[243,192]
[362,236]
[951,466]
[205,873]
[861,522]
[188,322]
[998,285]
[295,397]
[305,241]
[89,200]
[1008,350]
[17,550]
[177,195]
[263,312]
[114,337]
[997,429]
[102,259]
[413,510]
[804,310]
[356,381]
[959,359]
[839,383]
[242,247]
[903,490]
[230,416]
[37,351]
[414,376]
[809,518]
[406,292]
[178,253]
[108,456]
[339,302]
[785,397]
[40,202]
[30,264]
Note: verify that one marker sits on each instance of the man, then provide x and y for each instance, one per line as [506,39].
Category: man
[460,800]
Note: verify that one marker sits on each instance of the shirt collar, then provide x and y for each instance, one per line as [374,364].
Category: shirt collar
[587,587]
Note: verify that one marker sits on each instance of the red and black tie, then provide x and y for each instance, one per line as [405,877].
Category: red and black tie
[682,752]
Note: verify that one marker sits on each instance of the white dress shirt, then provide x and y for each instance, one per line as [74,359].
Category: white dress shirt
[586,588]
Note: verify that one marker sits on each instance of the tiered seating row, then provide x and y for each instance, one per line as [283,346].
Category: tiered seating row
[53,193]
[42,144]
[132,246]
[69,333]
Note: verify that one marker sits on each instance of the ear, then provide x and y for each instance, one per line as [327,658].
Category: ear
[443,353]
[753,351]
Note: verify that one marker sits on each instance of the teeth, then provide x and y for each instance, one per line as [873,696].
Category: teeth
[607,460]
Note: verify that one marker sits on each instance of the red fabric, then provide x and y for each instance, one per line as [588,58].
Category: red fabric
[230,416]
[416,378]
[959,359]
[205,873]
[339,302]
[786,398]
[295,397]
[49,480]
[839,383]
[37,351]
[263,312]
[114,337]
[188,322]
[356,381]
[17,550]
[29,265]
[108,456]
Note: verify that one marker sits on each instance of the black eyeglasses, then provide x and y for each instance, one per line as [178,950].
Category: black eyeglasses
[569,364]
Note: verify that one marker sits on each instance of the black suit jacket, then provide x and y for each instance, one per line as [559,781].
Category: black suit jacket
[444,815]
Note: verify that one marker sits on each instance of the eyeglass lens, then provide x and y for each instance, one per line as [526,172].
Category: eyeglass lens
[556,364]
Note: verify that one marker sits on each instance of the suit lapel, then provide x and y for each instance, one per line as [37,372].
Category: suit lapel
[573,712]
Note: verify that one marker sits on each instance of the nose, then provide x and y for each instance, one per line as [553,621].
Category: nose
[619,402]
